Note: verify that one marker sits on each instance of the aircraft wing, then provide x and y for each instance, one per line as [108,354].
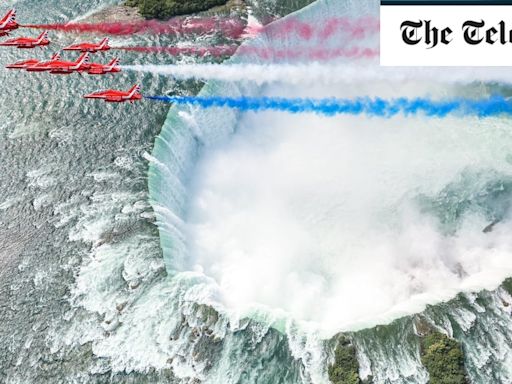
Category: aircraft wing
[5,22]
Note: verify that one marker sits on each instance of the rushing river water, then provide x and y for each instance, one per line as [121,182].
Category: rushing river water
[273,232]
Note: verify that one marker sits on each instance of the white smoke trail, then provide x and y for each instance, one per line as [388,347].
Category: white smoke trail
[318,73]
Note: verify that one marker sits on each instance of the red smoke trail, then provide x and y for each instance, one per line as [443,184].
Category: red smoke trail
[319,54]
[357,29]
[230,28]
[234,28]
[323,30]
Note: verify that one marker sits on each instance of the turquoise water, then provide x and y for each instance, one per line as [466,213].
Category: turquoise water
[92,291]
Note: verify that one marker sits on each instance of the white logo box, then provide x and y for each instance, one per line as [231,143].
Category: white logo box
[494,49]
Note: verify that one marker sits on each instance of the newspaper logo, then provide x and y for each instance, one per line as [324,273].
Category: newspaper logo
[446,33]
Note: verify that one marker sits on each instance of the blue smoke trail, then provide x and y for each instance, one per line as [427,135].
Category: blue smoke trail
[492,106]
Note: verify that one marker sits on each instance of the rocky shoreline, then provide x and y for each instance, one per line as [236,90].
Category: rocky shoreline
[115,14]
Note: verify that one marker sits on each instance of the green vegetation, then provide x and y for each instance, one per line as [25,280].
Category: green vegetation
[443,359]
[345,369]
[507,285]
[165,9]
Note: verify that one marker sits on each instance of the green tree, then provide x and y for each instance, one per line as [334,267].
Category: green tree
[443,359]
[345,369]
[165,9]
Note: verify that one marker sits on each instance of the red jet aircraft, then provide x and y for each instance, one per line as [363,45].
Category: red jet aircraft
[8,23]
[112,96]
[24,64]
[100,69]
[90,47]
[27,42]
[59,67]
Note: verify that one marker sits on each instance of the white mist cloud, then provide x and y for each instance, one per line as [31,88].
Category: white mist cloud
[319,217]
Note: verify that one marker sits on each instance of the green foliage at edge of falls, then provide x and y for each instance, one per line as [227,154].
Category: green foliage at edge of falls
[507,285]
[345,369]
[443,358]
